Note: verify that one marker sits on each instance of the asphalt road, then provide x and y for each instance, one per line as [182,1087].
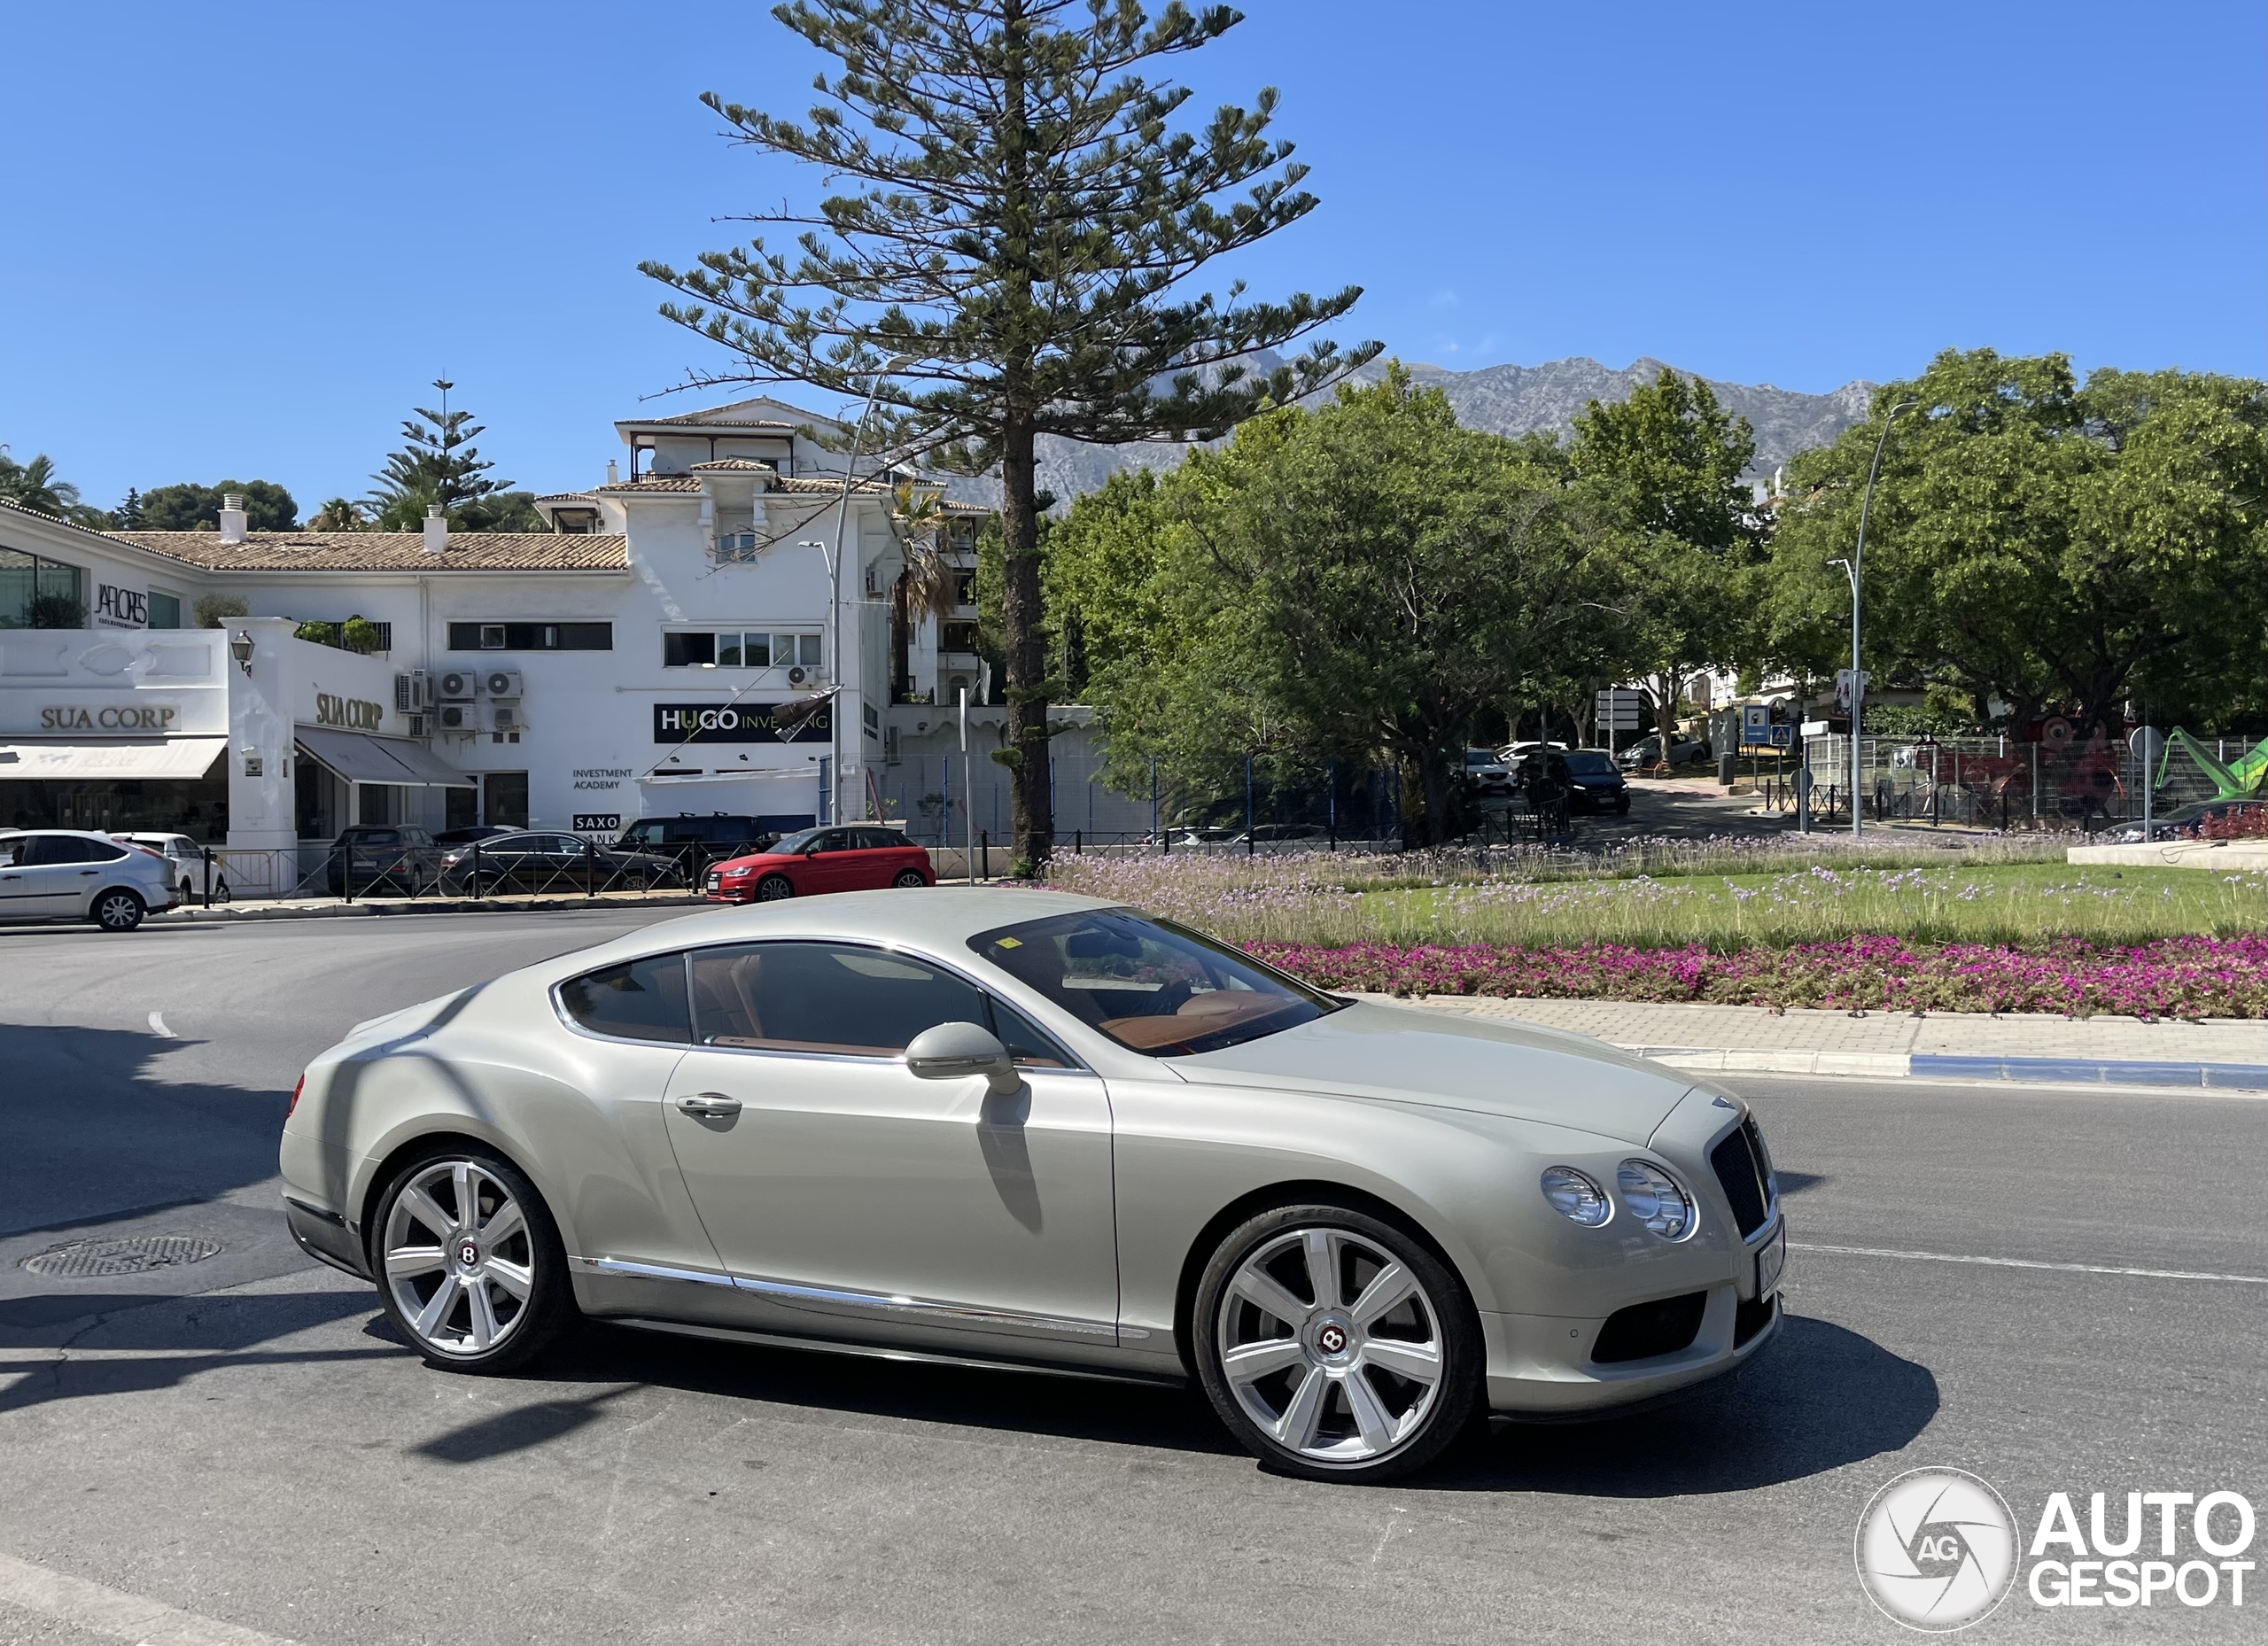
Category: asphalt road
[241,1440]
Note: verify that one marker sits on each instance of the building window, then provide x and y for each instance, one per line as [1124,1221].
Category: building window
[738,548]
[504,799]
[40,594]
[741,648]
[964,589]
[165,609]
[575,522]
[959,638]
[960,536]
[531,637]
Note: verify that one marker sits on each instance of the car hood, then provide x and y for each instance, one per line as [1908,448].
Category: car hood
[1406,1054]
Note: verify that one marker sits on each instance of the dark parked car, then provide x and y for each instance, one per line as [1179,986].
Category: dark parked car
[469,833]
[398,858]
[537,861]
[1648,751]
[692,843]
[1594,785]
[857,857]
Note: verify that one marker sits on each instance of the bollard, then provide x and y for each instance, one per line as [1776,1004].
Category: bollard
[475,870]
[207,852]
[985,847]
[590,868]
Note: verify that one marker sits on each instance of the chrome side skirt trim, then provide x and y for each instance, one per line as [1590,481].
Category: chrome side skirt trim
[866,1351]
[867,1302]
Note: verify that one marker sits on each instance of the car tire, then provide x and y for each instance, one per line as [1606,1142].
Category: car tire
[118,909]
[773,887]
[1345,1396]
[495,1313]
[909,878]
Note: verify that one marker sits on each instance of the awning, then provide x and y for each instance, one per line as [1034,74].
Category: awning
[361,759]
[177,758]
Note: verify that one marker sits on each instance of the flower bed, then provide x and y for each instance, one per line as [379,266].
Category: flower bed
[2181,977]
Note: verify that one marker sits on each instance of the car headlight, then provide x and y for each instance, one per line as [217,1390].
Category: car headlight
[1655,1199]
[1576,1197]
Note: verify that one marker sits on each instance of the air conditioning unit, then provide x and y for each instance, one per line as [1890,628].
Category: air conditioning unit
[417,724]
[807,674]
[502,716]
[456,686]
[411,692]
[458,718]
[499,683]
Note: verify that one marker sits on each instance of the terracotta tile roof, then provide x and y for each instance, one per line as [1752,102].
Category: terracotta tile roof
[733,416]
[746,464]
[388,551]
[564,497]
[656,483]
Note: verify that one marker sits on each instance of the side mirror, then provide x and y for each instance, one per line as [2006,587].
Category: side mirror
[953,1050]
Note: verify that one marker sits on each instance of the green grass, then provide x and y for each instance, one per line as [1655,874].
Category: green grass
[1934,900]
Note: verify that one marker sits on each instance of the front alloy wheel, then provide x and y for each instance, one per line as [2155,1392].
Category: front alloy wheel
[470,1266]
[1335,1345]
[773,888]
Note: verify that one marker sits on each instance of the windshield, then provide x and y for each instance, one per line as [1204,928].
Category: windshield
[1584,763]
[1152,986]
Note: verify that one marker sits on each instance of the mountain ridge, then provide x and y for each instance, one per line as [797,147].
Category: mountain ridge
[1513,400]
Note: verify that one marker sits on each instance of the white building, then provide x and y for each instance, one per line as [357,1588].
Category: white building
[648,657]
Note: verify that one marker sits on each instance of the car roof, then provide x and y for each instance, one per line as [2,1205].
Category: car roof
[941,918]
[75,833]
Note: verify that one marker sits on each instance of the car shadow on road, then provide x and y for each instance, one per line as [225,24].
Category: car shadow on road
[1820,1397]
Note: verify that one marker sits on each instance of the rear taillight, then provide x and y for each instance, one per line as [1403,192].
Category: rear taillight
[298,1086]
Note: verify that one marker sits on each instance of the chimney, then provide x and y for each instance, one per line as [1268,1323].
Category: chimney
[437,528]
[613,475]
[232,516]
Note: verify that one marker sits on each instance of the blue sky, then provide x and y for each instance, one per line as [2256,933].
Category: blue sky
[242,238]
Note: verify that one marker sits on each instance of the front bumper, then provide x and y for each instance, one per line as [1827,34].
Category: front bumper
[1541,1365]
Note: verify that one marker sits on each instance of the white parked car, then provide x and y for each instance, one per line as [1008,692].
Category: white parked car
[188,858]
[75,874]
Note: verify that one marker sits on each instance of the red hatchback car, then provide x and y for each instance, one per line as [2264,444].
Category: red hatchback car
[855,856]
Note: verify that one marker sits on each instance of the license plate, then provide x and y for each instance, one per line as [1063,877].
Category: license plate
[1770,1261]
[713,882]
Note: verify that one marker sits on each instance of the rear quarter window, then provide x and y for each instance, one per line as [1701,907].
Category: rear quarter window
[642,999]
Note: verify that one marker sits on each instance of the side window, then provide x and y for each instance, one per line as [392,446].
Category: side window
[70,849]
[636,1000]
[823,997]
[1027,1043]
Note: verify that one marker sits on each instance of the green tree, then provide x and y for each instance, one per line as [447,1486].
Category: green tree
[1025,234]
[190,507]
[2040,541]
[439,463]
[1361,578]
[1665,465]
[33,485]
[127,515]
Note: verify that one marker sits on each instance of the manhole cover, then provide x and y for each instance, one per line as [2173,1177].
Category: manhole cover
[82,1259]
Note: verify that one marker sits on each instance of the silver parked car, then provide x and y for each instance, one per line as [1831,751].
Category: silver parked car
[188,860]
[1021,1127]
[75,874]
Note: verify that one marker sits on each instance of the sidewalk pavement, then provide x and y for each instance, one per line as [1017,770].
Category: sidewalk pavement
[318,908]
[2224,1054]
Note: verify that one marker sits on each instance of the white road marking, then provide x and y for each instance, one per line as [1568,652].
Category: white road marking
[157,1026]
[2026,1263]
[114,1613]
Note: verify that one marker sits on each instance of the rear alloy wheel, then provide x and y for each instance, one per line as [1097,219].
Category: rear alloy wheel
[910,877]
[119,909]
[773,888]
[469,1263]
[1334,1345]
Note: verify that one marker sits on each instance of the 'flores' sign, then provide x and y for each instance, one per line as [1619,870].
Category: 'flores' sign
[737,723]
[356,714]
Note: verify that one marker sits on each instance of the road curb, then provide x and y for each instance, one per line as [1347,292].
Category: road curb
[235,912]
[1938,1065]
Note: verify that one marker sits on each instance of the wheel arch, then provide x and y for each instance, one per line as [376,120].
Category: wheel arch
[1290,1191]
[362,1216]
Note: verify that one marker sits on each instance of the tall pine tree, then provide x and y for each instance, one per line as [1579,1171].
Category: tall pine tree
[439,465]
[1025,231]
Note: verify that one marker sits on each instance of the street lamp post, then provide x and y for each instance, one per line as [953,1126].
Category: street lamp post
[1855,567]
[896,363]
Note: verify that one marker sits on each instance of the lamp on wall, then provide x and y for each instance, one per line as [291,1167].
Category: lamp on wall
[240,648]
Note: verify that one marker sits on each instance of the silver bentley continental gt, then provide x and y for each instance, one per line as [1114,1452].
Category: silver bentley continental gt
[1023,1128]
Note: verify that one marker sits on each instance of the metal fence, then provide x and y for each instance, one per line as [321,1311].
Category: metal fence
[1991,782]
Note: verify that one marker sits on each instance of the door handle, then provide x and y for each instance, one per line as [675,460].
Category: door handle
[710,1104]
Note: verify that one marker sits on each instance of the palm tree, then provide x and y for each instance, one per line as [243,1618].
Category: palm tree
[932,583]
[340,514]
[33,485]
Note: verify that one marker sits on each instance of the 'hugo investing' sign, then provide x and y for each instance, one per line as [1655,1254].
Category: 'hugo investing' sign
[735,723]
[357,714]
[110,717]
